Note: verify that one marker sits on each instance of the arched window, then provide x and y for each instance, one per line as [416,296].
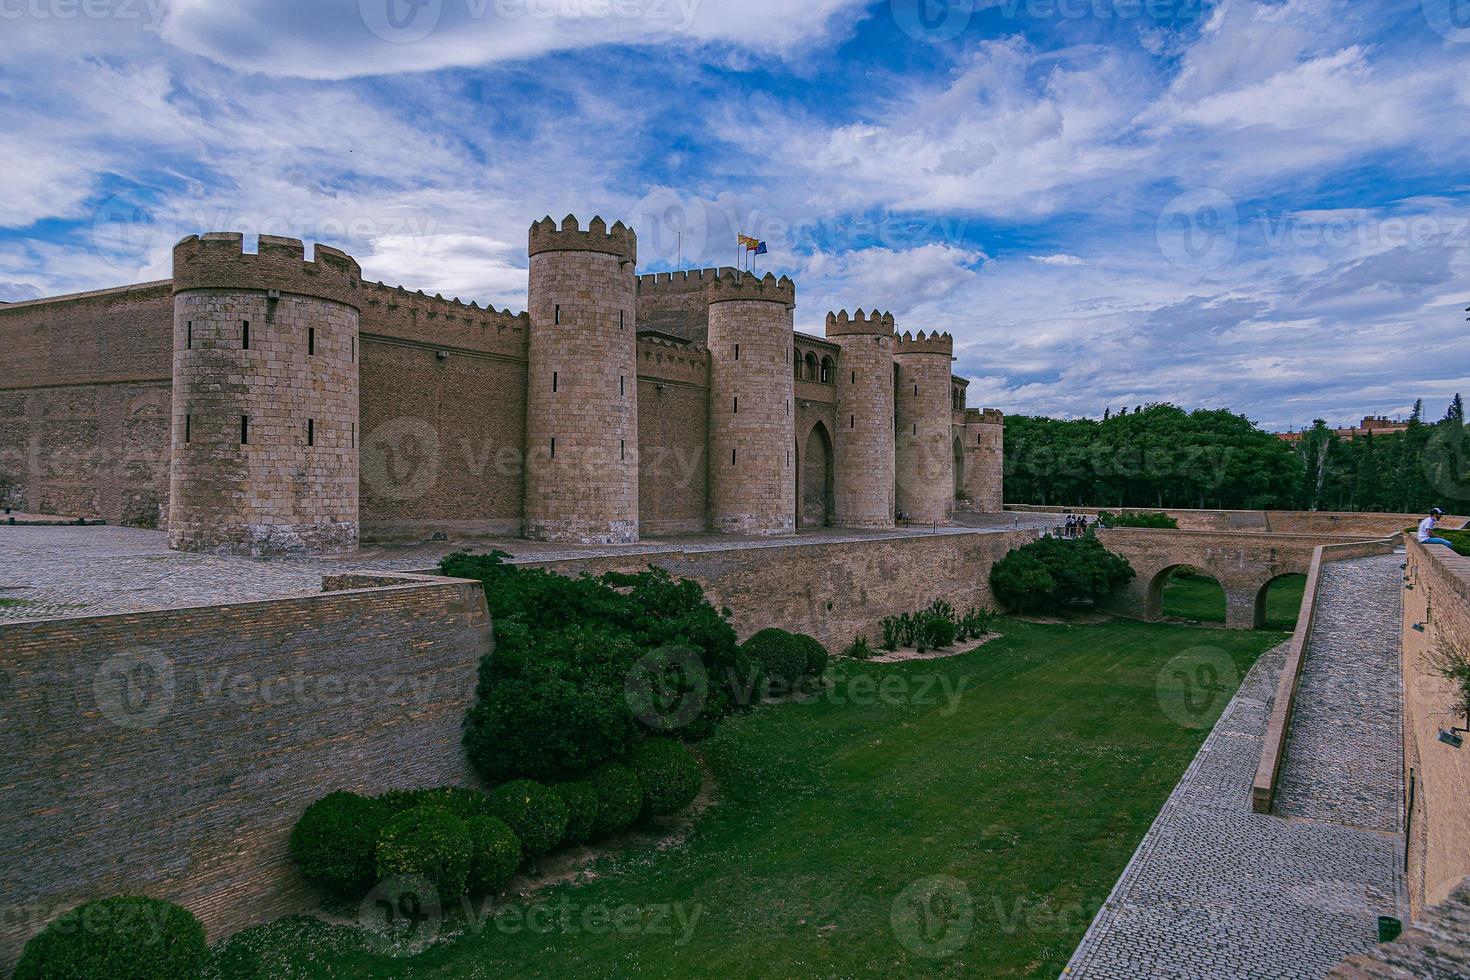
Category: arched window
[811,366]
[827,367]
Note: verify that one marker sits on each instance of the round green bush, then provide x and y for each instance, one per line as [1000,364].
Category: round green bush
[668,775]
[581,801]
[780,656]
[428,842]
[117,938]
[495,853]
[619,798]
[535,812]
[816,654]
[335,841]
[463,803]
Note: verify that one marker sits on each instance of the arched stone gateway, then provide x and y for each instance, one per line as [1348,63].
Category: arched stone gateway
[1244,563]
[959,468]
[814,492]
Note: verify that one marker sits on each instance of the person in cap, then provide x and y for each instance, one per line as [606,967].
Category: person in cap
[1426,529]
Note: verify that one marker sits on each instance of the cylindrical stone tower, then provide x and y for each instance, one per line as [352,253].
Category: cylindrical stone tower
[923,424]
[864,461]
[752,428]
[264,458]
[582,385]
[985,433]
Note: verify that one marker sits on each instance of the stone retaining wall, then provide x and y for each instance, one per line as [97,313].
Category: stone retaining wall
[169,753]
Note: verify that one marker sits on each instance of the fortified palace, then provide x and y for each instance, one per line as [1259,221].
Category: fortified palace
[265,404]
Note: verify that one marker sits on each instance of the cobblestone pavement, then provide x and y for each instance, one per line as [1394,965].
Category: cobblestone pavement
[53,572]
[1344,750]
[1216,891]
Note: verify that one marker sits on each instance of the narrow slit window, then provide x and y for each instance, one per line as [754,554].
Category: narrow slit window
[622,384]
[553,447]
[622,319]
[557,317]
[916,391]
[245,334]
[353,436]
[737,352]
[788,459]
[188,427]
[354,350]
[732,457]
[244,430]
[852,421]
[916,428]
[189,337]
[554,380]
[311,432]
[622,449]
[737,404]
[854,378]
[311,341]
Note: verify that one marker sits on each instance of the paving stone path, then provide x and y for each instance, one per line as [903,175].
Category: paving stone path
[1217,891]
[53,572]
[1344,750]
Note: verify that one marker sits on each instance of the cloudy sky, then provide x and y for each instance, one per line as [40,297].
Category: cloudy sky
[1257,205]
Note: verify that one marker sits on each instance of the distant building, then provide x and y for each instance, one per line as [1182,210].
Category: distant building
[1375,425]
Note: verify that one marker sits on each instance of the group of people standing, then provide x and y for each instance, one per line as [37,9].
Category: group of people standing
[1077,526]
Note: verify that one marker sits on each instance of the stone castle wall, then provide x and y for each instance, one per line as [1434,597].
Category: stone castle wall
[442,418]
[582,384]
[752,441]
[170,753]
[923,424]
[984,435]
[85,384]
[265,399]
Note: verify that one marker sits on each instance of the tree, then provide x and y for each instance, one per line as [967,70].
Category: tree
[1417,416]
[1053,573]
[1456,411]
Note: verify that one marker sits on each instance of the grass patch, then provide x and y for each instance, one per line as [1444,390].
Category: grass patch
[1200,599]
[12,603]
[1027,769]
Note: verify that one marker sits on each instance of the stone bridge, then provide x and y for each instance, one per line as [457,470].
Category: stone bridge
[1245,563]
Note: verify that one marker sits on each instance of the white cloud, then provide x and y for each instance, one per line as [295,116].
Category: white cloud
[1058,259]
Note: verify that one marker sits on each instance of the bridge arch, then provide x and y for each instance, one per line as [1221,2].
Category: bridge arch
[1262,613]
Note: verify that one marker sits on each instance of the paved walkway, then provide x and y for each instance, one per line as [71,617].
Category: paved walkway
[1215,890]
[1344,752]
[55,572]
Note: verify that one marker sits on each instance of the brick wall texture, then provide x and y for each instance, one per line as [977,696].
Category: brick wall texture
[924,467]
[1439,603]
[170,753]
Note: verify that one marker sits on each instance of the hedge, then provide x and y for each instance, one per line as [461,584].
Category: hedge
[619,798]
[335,841]
[428,842]
[120,938]
[535,812]
[668,774]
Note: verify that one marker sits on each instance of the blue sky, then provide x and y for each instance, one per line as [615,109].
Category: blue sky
[1257,205]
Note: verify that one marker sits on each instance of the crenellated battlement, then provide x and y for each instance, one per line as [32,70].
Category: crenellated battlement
[619,240]
[218,260]
[419,304]
[934,343]
[732,286]
[984,416]
[840,324]
[686,281]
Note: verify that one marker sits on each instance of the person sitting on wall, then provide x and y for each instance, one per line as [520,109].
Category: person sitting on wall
[1426,529]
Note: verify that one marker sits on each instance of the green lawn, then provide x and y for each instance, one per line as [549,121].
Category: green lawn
[1030,790]
[1200,599]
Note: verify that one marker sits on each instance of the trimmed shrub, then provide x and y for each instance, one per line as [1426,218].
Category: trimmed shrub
[779,655]
[495,853]
[1055,573]
[1154,520]
[117,939]
[535,812]
[860,650]
[463,803]
[619,798]
[668,774]
[335,841]
[581,801]
[939,632]
[816,654]
[430,842]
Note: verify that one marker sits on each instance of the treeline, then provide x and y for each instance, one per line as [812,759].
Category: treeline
[1161,456]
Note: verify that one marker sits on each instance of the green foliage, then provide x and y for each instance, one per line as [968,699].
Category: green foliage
[816,655]
[335,841]
[779,655]
[939,631]
[495,853]
[463,803]
[975,623]
[1051,573]
[859,649]
[892,632]
[552,700]
[668,774]
[581,802]
[619,798]
[535,812]
[1155,520]
[120,938]
[428,842]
